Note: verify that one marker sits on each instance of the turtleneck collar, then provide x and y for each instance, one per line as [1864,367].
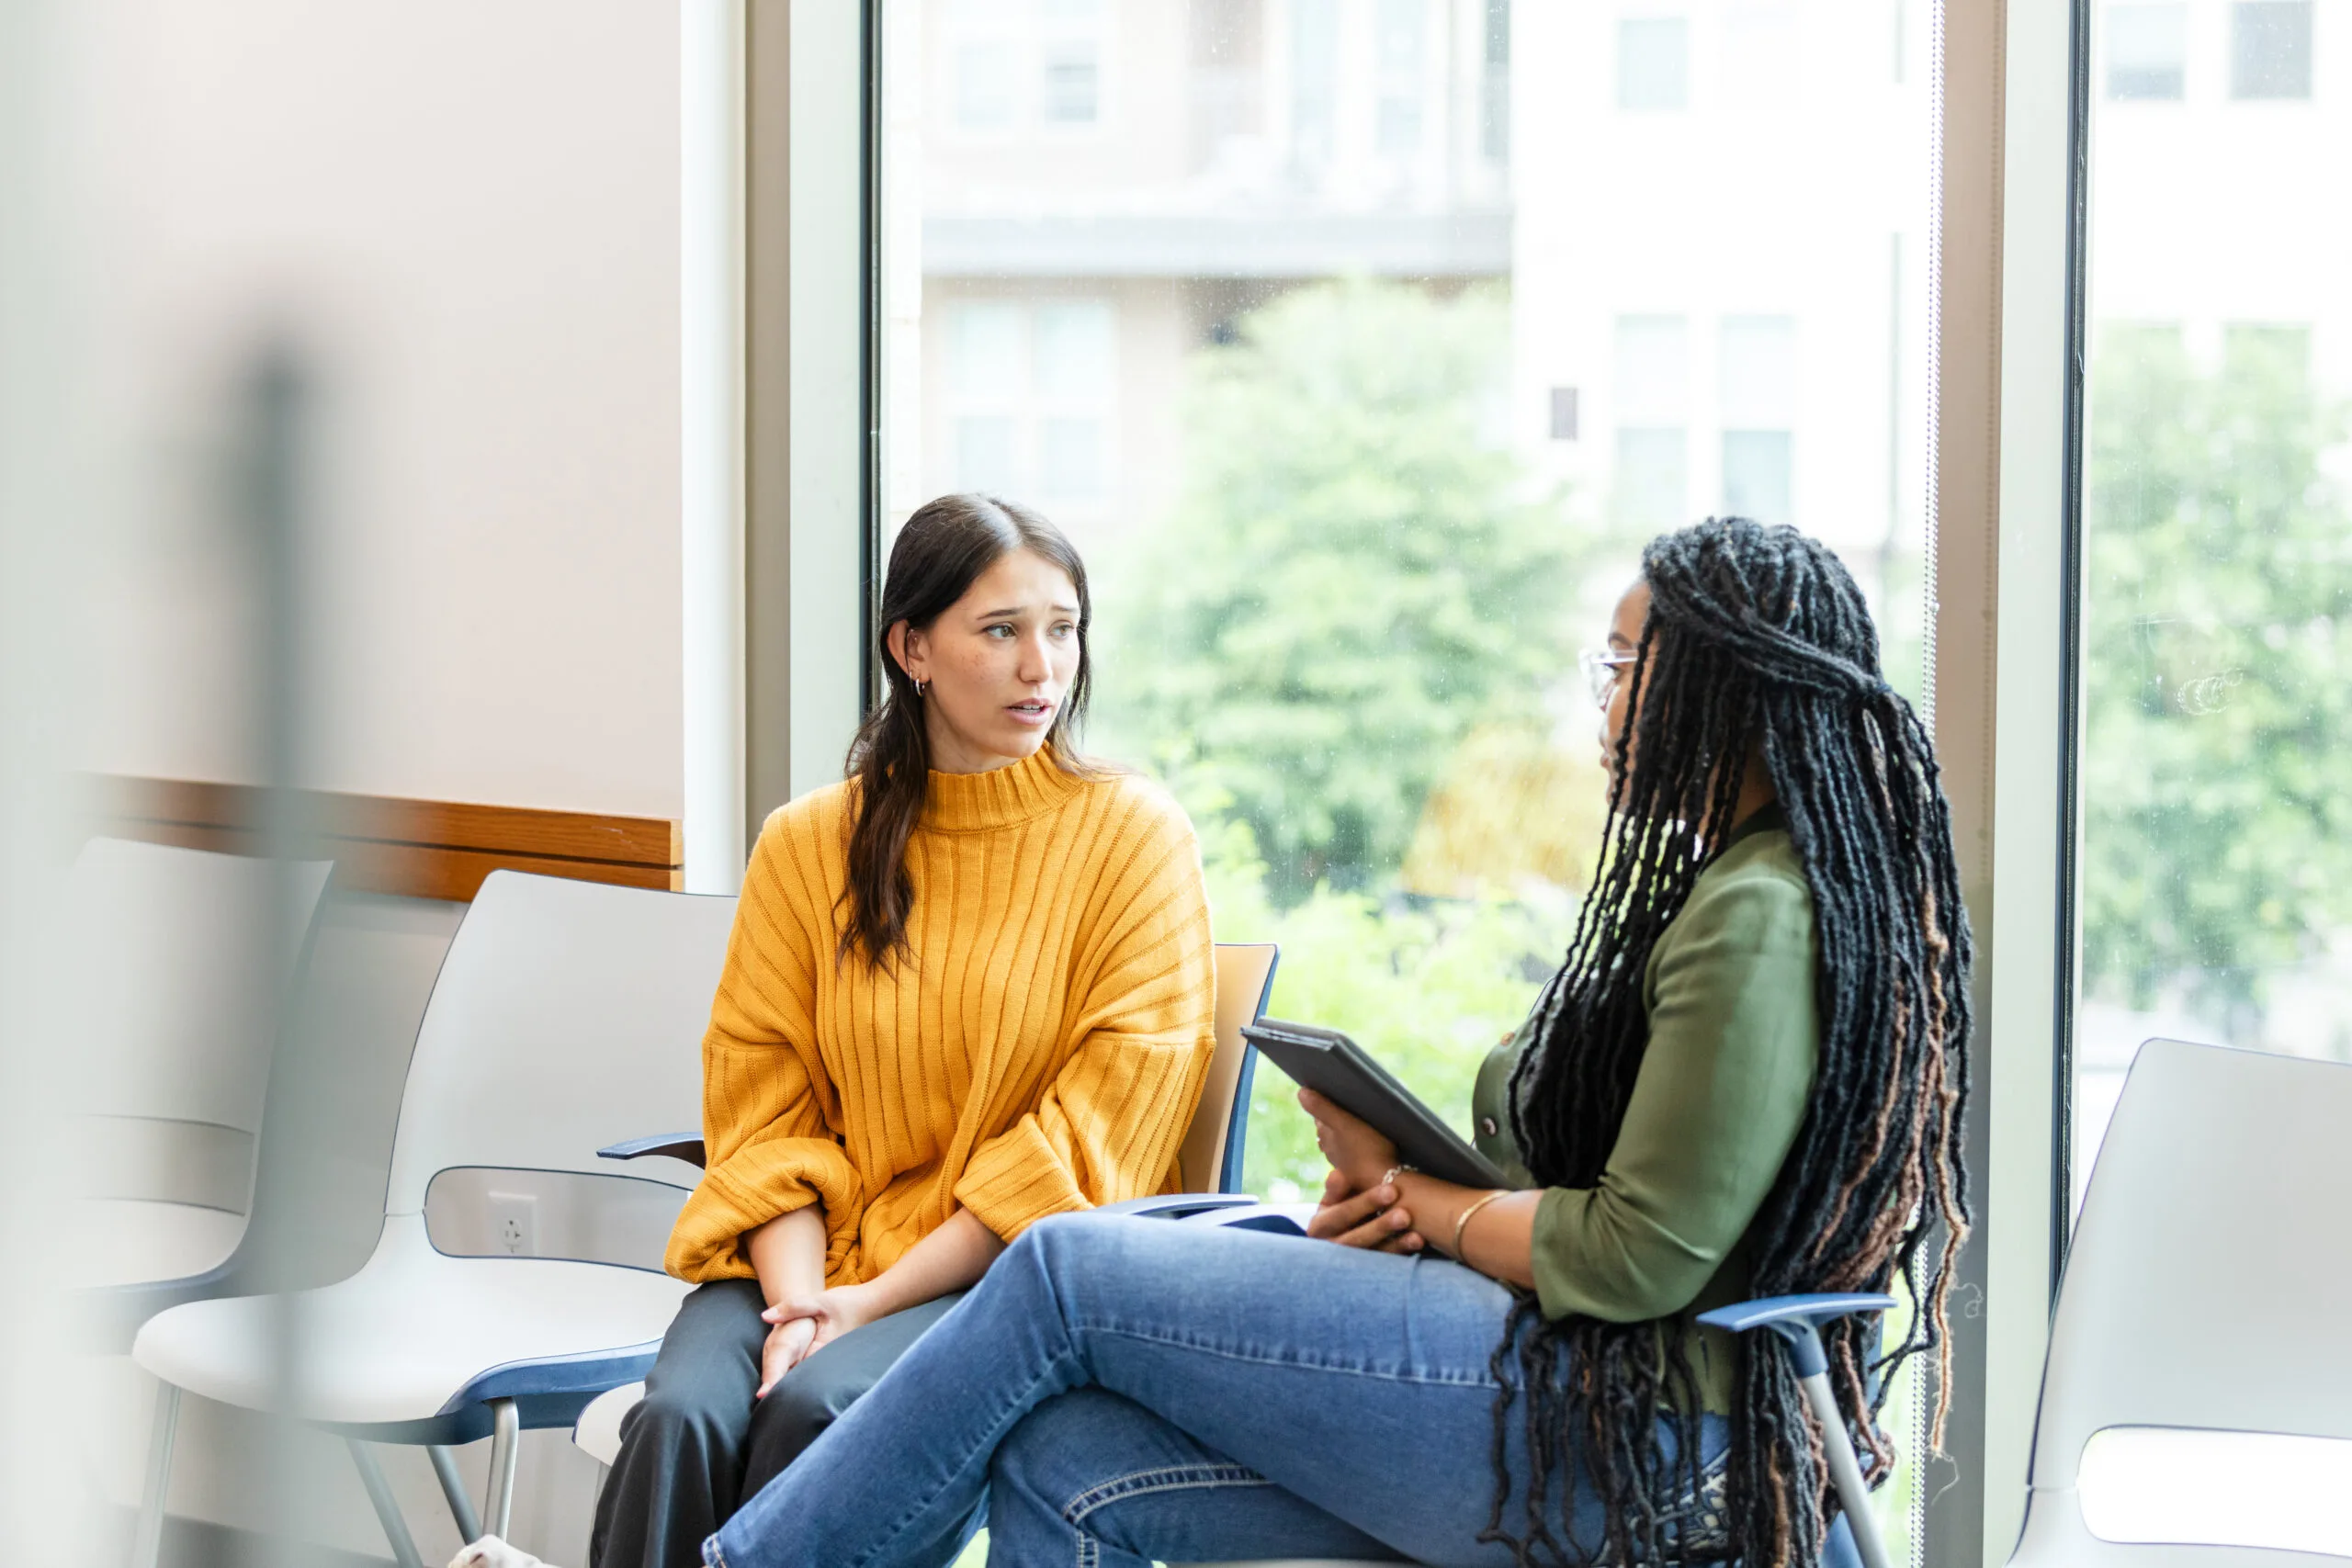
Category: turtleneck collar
[974,803]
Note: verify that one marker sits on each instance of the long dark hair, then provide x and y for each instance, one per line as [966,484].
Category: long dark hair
[1757,644]
[941,552]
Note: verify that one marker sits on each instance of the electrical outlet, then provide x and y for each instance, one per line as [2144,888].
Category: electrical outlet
[514,1223]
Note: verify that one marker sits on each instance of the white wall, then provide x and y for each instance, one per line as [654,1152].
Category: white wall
[467,215]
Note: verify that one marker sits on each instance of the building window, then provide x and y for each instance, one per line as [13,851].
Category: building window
[987,366]
[1074,381]
[1228,79]
[1017,66]
[2270,49]
[2147,51]
[1653,370]
[1653,63]
[1031,384]
[1652,487]
[1069,62]
[1564,413]
[1495,107]
[1756,386]
[1652,484]
[1314,81]
[1071,96]
[985,73]
[1266,341]
[984,457]
[1397,116]
[1756,465]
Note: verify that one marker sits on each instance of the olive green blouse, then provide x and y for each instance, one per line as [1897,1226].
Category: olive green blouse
[1722,1089]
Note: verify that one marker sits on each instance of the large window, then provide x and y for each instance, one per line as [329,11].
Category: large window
[2270,49]
[2147,51]
[1360,433]
[2215,881]
[1359,344]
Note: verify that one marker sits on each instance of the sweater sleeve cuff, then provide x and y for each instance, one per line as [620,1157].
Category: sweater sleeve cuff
[760,1182]
[1016,1180]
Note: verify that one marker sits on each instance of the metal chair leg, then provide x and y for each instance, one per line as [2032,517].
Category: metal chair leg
[453,1487]
[388,1508]
[1797,1320]
[147,1546]
[506,1427]
[1843,1470]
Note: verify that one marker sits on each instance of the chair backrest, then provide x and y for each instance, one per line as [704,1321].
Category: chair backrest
[184,961]
[1211,1158]
[567,1016]
[2208,1264]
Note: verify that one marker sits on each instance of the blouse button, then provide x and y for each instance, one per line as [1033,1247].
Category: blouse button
[1487,1128]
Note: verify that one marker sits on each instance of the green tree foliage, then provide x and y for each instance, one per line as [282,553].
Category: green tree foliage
[1354,577]
[2216,829]
[1427,988]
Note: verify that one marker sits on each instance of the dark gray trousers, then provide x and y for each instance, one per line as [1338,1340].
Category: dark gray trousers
[699,1445]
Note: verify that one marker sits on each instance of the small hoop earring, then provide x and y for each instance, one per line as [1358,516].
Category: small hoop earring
[919,686]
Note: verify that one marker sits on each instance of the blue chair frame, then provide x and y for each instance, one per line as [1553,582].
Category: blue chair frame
[1798,1320]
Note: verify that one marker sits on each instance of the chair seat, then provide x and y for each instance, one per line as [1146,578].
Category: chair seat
[412,1347]
[597,1433]
[138,1241]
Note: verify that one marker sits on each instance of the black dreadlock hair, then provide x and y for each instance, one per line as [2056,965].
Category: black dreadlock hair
[1758,645]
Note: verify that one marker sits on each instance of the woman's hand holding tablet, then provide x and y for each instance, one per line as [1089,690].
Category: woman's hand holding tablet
[1359,1205]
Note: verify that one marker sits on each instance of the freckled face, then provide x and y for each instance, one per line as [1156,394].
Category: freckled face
[1625,625]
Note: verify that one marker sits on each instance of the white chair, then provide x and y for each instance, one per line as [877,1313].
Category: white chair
[185,961]
[2197,1398]
[514,1279]
[1210,1159]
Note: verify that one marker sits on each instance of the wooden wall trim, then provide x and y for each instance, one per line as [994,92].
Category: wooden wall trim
[419,849]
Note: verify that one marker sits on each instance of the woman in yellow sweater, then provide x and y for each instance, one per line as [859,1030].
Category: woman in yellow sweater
[969,986]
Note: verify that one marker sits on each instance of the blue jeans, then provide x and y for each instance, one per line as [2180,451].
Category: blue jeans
[1120,1390]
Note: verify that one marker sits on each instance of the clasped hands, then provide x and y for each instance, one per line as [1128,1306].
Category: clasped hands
[802,1326]
[1359,1207]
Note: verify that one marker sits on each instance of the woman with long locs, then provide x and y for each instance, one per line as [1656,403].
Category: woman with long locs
[1745,1079]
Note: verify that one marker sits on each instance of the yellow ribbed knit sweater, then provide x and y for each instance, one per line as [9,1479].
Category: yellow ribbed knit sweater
[1041,1051]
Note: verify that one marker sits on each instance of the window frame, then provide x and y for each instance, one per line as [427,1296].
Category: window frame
[809,324]
[2016,86]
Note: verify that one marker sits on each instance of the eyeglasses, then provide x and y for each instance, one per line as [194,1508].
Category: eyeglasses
[1600,673]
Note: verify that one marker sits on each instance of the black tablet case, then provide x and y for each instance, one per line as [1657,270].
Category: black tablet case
[1341,1071]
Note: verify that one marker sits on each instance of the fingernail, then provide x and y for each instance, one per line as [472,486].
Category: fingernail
[1412,1244]
[1386,1194]
[1398,1219]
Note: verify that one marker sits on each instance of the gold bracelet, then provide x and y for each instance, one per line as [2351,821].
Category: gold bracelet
[1459,1224]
